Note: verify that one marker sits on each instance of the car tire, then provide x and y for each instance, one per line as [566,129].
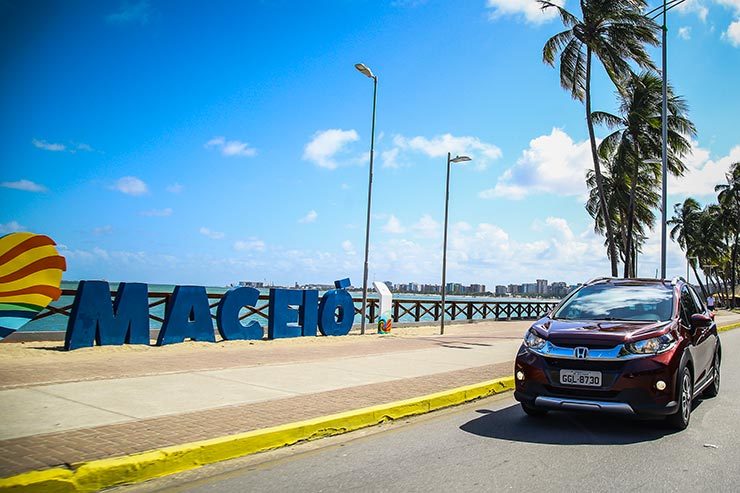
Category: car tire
[684,395]
[713,389]
[533,411]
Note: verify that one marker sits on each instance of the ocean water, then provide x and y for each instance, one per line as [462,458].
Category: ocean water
[58,322]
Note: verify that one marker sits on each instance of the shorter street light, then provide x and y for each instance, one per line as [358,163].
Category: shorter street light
[450,160]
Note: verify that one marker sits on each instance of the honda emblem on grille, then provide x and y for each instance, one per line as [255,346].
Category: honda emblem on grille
[581,352]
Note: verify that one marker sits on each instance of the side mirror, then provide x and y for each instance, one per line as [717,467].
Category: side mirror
[700,320]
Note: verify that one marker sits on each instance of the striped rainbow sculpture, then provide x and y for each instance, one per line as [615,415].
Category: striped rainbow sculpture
[30,276]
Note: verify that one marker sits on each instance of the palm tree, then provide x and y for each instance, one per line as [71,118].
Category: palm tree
[616,32]
[729,201]
[617,186]
[636,144]
[686,231]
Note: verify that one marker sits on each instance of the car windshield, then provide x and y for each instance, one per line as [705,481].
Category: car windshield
[607,301]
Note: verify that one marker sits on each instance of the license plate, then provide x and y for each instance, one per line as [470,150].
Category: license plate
[580,377]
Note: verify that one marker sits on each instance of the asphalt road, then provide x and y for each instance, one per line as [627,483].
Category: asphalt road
[492,445]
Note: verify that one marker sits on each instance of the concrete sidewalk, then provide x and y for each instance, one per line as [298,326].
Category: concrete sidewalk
[61,408]
[67,407]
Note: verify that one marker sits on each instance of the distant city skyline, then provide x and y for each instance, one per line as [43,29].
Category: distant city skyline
[195,143]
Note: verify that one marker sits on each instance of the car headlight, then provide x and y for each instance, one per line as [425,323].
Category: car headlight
[655,345]
[533,341]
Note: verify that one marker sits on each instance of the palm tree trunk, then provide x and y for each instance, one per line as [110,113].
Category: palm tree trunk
[597,169]
[631,218]
[704,291]
[734,269]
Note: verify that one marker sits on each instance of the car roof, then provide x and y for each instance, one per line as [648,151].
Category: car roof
[636,280]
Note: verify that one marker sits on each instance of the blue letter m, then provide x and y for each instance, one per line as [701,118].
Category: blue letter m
[94,319]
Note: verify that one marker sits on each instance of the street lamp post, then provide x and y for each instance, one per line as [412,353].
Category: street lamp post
[450,160]
[368,73]
[664,156]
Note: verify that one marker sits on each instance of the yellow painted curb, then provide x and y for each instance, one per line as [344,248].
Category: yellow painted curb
[729,327]
[104,473]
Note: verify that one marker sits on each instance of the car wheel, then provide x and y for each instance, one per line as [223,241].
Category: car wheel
[533,411]
[684,393]
[713,389]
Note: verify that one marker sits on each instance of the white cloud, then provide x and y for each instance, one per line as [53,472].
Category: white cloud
[175,188]
[214,235]
[481,152]
[84,147]
[326,145]
[552,164]
[693,7]
[73,147]
[531,10]
[345,186]
[348,248]
[102,230]
[732,35]
[733,4]
[252,244]
[131,12]
[703,172]
[11,227]
[393,226]
[48,146]
[166,212]
[684,32]
[426,227]
[231,148]
[25,185]
[310,217]
[390,158]
[131,185]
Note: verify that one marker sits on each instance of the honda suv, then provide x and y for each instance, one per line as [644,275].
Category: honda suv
[631,346]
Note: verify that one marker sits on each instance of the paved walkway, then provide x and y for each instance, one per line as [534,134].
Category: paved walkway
[66,407]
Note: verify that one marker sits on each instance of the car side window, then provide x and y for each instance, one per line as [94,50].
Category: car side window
[697,300]
[688,306]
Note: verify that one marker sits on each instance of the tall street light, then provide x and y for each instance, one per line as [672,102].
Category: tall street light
[450,160]
[664,120]
[362,68]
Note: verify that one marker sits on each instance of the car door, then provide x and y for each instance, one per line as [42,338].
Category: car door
[698,335]
[709,340]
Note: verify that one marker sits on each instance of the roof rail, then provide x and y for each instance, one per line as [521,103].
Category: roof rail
[601,278]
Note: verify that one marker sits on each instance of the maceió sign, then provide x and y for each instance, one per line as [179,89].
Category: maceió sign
[96,319]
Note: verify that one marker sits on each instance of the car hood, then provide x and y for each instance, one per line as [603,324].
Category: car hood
[588,332]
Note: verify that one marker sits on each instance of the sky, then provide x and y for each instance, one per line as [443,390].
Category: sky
[211,142]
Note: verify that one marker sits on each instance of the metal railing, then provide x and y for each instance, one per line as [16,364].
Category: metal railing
[403,310]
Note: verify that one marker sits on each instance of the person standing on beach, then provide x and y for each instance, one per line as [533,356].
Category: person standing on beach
[710,303]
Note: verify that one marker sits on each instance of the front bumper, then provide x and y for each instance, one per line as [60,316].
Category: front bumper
[628,387]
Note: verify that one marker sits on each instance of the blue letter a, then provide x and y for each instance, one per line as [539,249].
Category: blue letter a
[187,315]
[94,319]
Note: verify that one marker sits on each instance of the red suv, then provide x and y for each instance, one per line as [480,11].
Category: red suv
[632,346]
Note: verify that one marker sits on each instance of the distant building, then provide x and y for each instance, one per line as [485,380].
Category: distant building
[501,290]
[558,289]
[529,288]
[541,286]
[515,289]
[251,284]
[477,288]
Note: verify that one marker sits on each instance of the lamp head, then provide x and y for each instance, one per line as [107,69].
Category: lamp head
[460,159]
[363,69]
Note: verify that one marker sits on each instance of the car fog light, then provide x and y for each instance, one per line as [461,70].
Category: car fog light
[519,375]
[660,385]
